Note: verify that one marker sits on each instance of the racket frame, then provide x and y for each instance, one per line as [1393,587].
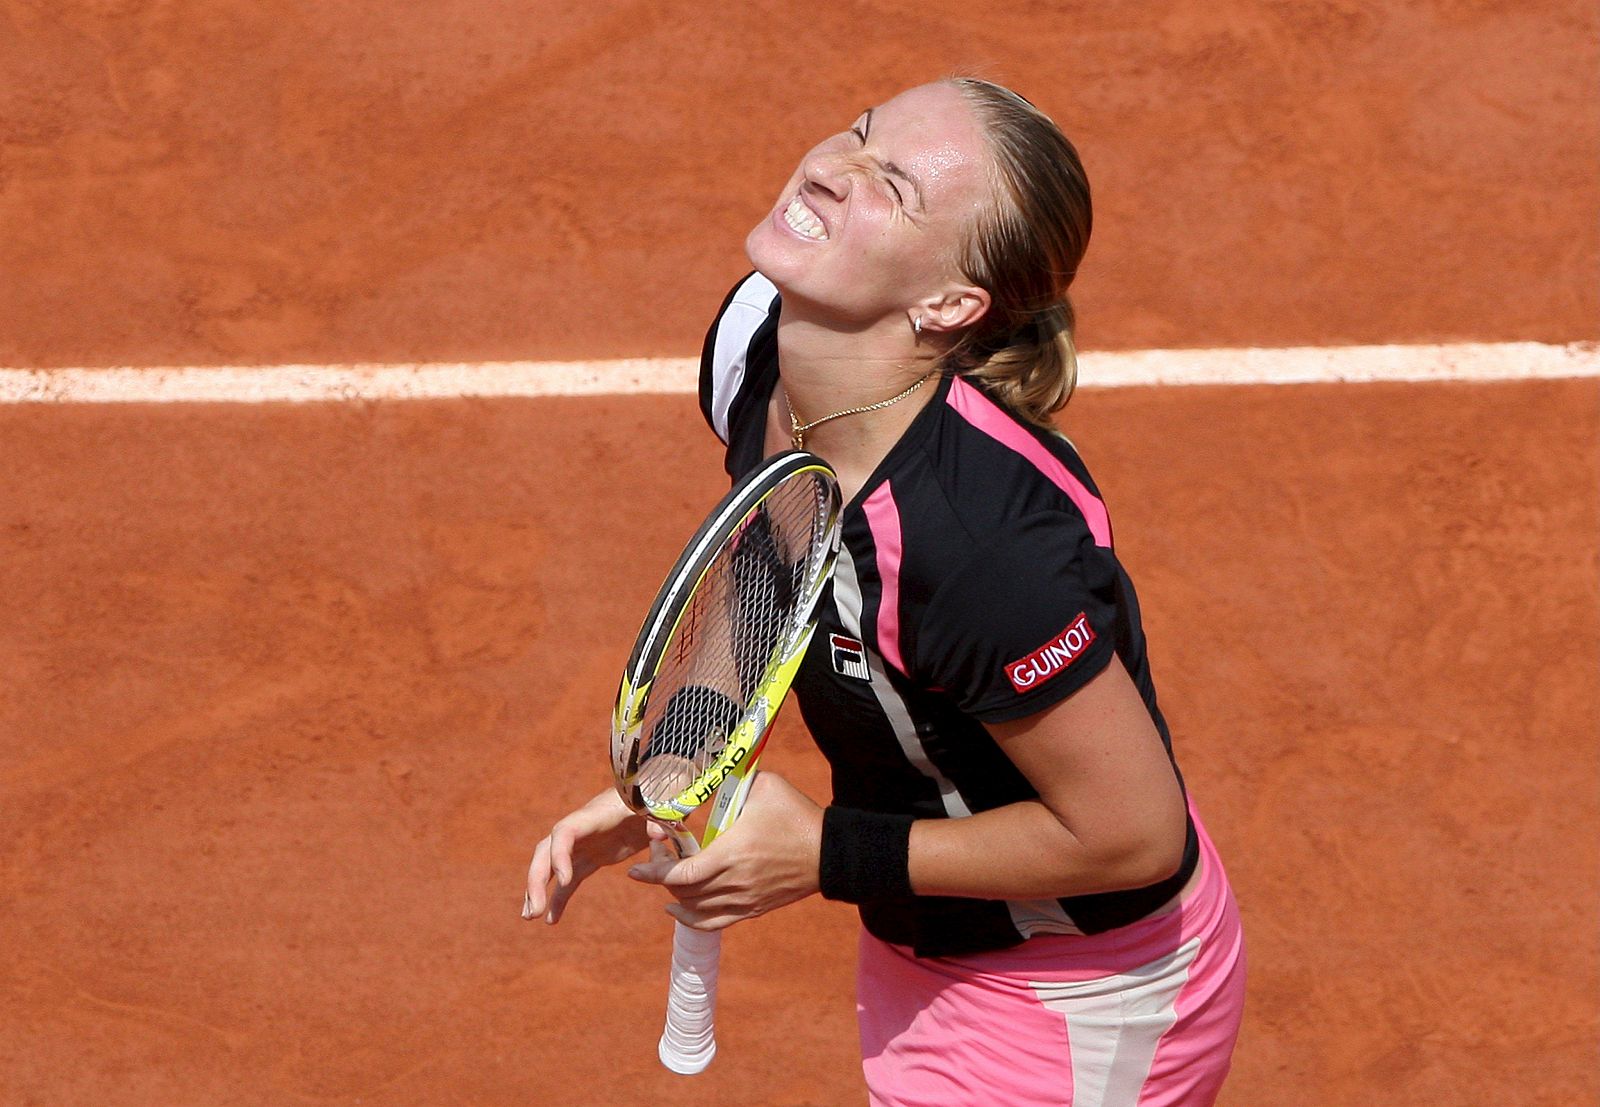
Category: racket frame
[745,741]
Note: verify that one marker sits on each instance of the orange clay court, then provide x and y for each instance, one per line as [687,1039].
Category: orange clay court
[291,689]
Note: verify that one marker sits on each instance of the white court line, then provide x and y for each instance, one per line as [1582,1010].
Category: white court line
[1469,361]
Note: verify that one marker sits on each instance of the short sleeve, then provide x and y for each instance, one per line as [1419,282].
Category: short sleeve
[748,312]
[1029,619]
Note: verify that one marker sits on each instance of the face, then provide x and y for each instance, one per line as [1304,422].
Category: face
[873,220]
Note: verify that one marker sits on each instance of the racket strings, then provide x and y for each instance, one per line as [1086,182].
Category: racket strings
[737,626]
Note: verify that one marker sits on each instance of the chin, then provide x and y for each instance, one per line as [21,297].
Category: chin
[773,256]
[802,272]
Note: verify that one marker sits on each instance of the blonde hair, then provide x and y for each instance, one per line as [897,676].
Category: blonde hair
[1024,251]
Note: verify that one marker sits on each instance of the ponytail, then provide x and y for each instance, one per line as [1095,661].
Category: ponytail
[1034,371]
[1025,251]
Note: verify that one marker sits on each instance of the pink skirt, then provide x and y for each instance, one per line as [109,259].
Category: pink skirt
[1142,1016]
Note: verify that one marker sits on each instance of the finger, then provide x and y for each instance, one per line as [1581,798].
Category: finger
[697,920]
[561,840]
[654,871]
[533,903]
[649,872]
[558,903]
[561,894]
[694,872]
[732,903]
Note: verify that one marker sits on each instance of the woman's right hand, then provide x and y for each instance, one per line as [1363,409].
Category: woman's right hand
[601,832]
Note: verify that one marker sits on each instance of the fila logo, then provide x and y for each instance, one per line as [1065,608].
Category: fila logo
[1052,657]
[849,657]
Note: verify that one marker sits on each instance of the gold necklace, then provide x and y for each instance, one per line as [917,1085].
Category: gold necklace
[797,430]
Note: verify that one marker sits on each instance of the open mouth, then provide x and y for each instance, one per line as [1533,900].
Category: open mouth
[803,221]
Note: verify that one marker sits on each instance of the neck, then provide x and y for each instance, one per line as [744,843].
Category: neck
[825,370]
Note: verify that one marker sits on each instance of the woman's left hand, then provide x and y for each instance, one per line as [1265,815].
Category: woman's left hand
[769,858]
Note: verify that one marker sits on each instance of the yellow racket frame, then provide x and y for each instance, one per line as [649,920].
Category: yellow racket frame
[734,764]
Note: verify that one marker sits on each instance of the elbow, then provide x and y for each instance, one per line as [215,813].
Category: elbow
[1158,851]
[1145,860]
[1161,862]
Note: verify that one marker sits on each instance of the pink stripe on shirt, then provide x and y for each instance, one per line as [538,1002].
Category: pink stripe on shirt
[883,519]
[982,412]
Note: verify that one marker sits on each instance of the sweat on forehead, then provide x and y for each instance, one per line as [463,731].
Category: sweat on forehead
[934,136]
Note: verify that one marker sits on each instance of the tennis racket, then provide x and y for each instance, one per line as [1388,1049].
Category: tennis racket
[711,667]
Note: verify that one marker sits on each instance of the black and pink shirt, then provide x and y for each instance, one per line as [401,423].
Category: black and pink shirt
[976,583]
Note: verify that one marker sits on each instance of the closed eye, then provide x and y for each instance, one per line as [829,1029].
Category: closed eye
[899,196]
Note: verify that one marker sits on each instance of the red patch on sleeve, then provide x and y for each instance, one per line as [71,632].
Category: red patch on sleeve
[1053,657]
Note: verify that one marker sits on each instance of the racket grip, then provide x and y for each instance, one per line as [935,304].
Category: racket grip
[688,1043]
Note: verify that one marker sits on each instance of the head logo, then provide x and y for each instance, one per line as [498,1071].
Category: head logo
[849,657]
[1052,657]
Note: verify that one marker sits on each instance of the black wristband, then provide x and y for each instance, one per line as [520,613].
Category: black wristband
[865,855]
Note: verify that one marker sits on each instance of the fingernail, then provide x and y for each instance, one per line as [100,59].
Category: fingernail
[527,905]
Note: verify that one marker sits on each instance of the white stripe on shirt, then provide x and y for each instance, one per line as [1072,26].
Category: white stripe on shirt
[746,312]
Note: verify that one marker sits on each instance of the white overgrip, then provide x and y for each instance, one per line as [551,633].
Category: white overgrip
[689,1041]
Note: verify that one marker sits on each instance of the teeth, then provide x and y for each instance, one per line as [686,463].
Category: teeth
[798,216]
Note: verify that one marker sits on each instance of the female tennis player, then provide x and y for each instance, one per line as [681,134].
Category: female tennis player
[1044,919]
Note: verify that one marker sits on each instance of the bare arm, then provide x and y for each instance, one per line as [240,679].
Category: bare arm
[1110,814]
